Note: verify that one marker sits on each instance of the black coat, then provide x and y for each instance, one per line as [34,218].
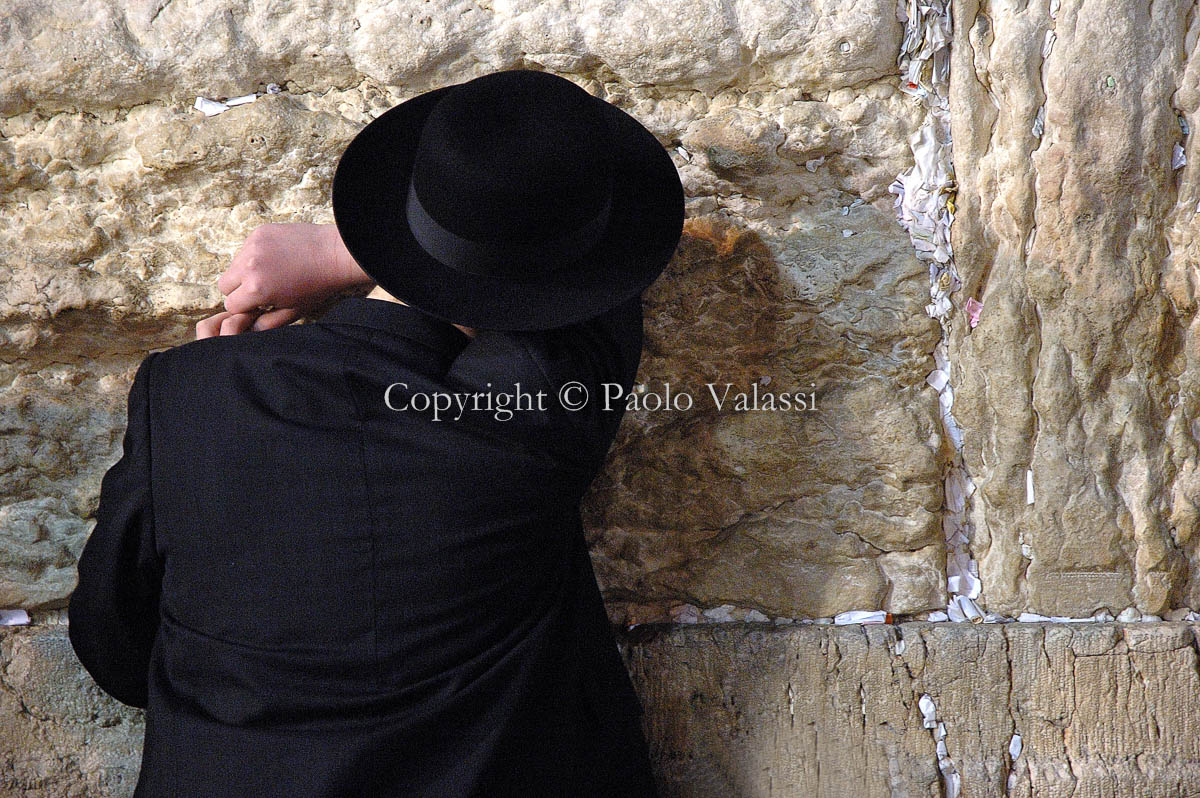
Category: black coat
[313,594]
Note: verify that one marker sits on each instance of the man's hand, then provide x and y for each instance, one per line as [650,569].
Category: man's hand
[281,272]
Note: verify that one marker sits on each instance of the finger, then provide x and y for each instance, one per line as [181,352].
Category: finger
[230,279]
[206,328]
[236,323]
[245,298]
[276,318]
[241,265]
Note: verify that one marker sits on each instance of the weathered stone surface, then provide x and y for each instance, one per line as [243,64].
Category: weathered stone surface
[62,736]
[97,55]
[63,427]
[1102,709]
[788,512]
[1081,245]
[758,710]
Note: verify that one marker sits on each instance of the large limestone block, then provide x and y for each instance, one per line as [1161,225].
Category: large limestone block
[63,428]
[792,512]
[129,221]
[1081,245]
[102,54]
[822,711]
[62,736]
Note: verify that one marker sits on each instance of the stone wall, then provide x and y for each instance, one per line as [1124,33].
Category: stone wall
[123,203]
[1072,187]
[1017,709]
[1081,243]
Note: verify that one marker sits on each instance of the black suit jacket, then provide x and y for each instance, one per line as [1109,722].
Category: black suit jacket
[313,594]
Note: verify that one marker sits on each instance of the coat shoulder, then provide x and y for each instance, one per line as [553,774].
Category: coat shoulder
[224,348]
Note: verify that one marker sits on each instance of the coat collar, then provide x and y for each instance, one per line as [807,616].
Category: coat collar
[398,319]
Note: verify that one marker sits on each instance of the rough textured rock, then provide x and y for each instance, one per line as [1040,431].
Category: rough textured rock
[121,205]
[97,55]
[62,735]
[759,710]
[788,512]
[1081,245]
[1102,709]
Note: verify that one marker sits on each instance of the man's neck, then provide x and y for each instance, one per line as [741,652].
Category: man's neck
[378,293]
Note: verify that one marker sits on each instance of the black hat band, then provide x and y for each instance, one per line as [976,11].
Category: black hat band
[473,257]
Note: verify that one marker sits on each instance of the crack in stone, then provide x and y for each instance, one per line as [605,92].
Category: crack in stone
[159,10]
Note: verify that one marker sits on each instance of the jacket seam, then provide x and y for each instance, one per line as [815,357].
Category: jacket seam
[529,355]
[572,419]
[407,333]
[149,364]
[362,461]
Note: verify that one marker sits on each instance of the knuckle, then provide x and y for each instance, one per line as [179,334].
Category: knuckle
[252,285]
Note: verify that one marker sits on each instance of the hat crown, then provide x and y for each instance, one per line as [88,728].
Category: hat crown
[513,158]
[433,197]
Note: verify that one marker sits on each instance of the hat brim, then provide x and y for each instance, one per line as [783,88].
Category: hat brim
[370,187]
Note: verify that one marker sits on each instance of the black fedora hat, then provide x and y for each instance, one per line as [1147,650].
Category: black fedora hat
[512,201]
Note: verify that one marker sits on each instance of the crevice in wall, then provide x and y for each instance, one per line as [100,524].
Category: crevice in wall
[925,208]
[1037,130]
[1014,742]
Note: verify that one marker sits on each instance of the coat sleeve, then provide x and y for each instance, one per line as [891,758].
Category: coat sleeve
[600,354]
[113,611]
